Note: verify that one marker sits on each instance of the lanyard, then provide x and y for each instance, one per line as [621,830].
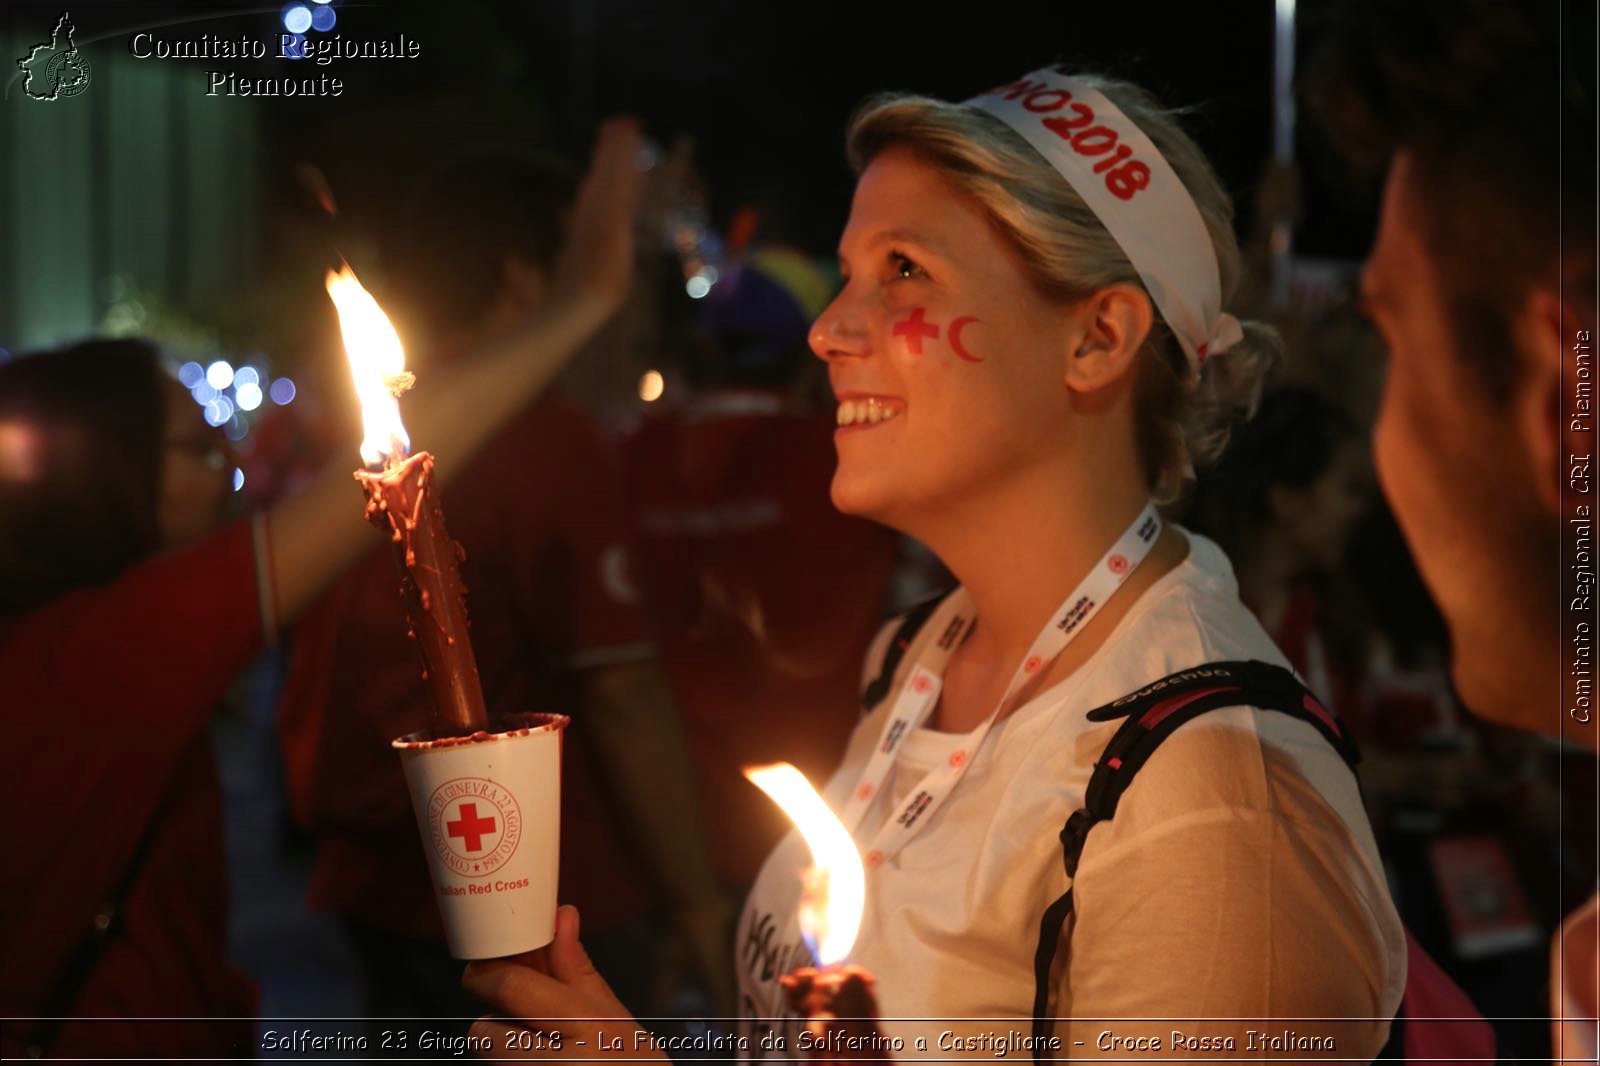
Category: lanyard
[920,691]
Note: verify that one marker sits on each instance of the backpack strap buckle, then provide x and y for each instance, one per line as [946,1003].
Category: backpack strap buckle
[1073,835]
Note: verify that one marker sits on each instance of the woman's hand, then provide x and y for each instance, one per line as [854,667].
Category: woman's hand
[553,1005]
[597,265]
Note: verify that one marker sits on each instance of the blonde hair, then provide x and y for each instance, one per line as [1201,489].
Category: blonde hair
[1069,254]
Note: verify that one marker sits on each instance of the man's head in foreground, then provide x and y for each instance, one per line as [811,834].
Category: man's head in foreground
[1481,281]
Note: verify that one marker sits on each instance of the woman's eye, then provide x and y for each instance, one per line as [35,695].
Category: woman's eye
[903,266]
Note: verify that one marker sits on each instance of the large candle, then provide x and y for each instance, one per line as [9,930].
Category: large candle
[403,500]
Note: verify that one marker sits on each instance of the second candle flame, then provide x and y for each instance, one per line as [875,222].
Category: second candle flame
[836,885]
[377,363]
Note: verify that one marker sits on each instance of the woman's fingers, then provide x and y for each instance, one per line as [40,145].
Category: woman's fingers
[548,1013]
[520,992]
[537,959]
[572,987]
[570,964]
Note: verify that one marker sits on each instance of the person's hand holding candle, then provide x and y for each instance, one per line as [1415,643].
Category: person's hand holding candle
[553,1004]
[549,999]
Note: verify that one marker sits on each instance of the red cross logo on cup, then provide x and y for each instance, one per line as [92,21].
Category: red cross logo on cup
[920,683]
[865,790]
[475,824]
[874,859]
[1032,665]
[957,759]
[1118,564]
[470,828]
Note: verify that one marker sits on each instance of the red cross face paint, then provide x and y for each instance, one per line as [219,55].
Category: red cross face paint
[488,806]
[914,329]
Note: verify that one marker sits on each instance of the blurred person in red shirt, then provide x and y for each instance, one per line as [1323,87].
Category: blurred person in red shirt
[554,628]
[762,595]
[124,614]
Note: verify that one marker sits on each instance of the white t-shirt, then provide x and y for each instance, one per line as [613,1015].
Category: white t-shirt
[1238,880]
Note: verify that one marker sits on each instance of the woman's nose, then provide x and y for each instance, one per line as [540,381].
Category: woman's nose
[839,331]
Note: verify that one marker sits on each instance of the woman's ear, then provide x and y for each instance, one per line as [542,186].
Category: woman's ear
[1115,321]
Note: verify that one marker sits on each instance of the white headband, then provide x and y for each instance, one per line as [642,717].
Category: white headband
[1136,195]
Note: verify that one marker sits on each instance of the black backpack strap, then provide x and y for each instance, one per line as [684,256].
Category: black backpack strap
[1152,714]
[912,622]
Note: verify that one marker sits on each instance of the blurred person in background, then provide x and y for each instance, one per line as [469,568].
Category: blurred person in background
[1283,502]
[125,612]
[762,595]
[555,627]
[1481,280]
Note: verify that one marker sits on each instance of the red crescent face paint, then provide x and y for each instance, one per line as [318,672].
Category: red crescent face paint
[954,337]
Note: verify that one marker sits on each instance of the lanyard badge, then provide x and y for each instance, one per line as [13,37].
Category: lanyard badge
[920,691]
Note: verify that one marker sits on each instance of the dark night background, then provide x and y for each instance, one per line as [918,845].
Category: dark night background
[764,90]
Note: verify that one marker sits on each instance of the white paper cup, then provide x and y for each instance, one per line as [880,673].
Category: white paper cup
[489,810]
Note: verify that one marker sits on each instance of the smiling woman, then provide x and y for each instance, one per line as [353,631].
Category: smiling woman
[1028,351]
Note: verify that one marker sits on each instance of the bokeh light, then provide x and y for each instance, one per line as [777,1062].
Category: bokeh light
[191,374]
[651,386]
[246,375]
[219,411]
[323,18]
[238,479]
[248,397]
[219,375]
[203,393]
[297,18]
[281,391]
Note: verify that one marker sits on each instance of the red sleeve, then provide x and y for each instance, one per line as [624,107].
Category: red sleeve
[104,689]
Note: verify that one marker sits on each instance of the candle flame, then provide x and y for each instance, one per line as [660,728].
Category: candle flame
[835,886]
[378,364]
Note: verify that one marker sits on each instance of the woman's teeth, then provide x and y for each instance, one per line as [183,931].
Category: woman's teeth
[855,412]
